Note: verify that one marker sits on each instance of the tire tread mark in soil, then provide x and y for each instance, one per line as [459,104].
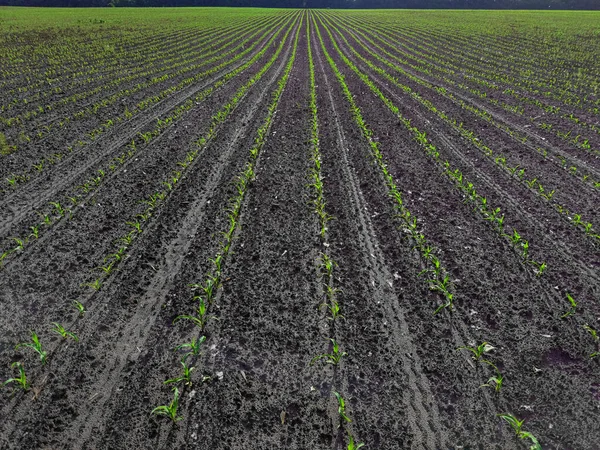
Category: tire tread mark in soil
[557,246]
[110,377]
[23,202]
[424,421]
[526,131]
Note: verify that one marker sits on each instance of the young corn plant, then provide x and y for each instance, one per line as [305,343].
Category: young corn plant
[36,346]
[330,358]
[95,285]
[478,351]
[496,380]
[573,307]
[334,309]
[186,375]
[193,345]
[201,319]
[58,328]
[35,232]
[342,408]
[169,410]
[21,381]
[352,445]
[592,331]
[540,267]
[517,426]
[595,336]
[327,265]
[79,307]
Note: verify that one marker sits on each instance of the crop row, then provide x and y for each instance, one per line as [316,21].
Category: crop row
[214,50]
[514,171]
[66,207]
[111,261]
[326,265]
[207,290]
[129,114]
[496,379]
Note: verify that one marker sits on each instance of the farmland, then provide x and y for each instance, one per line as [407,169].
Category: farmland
[264,228]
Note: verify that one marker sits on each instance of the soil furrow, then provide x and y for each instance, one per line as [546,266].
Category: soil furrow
[104,385]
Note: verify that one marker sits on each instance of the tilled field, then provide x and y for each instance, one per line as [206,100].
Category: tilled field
[282,229]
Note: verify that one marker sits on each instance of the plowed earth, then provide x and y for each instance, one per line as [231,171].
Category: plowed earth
[405,382]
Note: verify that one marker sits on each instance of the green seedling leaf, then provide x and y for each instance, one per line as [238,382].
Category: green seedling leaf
[169,410]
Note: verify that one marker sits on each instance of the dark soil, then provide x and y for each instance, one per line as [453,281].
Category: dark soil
[405,382]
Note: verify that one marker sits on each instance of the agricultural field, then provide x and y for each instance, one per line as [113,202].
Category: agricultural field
[299,229]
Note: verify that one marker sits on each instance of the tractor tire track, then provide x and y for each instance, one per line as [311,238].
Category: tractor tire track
[41,190]
[422,416]
[105,384]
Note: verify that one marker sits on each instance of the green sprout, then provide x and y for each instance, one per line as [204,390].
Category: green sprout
[58,208]
[22,380]
[352,445]
[342,407]
[35,346]
[334,308]
[595,336]
[541,267]
[331,358]
[20,244]
[494,381]
[58,328]
[193,345]
[169,410]
[592,331]
[201,320]
[478,351]
[35,232]
[187,373]
[137,226]
[573,307]
[95,285]
[79,306]
[327,264]
[517,425]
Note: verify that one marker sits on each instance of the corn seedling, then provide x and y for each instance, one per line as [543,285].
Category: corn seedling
[58,208]
[21,381]
[540,267]
[478,351]
[334,309]
[137,226]
[494,381]
[35,232]
[573,307]
[79,306]
[35,345]
[342,407]
[517,426]
[201,320]
[327,264]
[352,445]
[64,333]
[193,345]
[330,358]
[186,376]
[169,410]
[331,291]
[95,285]
[20,244]
[592,331]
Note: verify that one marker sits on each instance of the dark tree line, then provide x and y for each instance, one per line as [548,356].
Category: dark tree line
[451,4]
